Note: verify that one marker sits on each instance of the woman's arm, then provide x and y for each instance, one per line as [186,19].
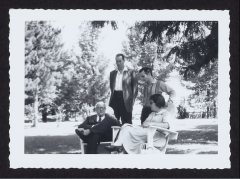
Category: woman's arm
[162,124]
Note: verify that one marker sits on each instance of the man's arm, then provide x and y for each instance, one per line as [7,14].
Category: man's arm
[167,89]
[134,84]
[115,122]
[84,124]
[105,125]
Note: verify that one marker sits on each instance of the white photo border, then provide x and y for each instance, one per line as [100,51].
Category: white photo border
[170,161]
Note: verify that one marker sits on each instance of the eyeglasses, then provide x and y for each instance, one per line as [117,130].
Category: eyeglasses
[101,108]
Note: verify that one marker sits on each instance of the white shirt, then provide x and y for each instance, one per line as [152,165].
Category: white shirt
[118,84]
[98,118]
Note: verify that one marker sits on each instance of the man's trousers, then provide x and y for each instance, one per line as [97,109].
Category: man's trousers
[93,140]
[120,109]
[146,110]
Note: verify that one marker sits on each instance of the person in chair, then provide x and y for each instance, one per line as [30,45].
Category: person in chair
[97,128]
[132,138]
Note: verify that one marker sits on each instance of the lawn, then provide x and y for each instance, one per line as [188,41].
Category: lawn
[196,136]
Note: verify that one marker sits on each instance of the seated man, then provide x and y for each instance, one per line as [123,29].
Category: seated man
[97,128]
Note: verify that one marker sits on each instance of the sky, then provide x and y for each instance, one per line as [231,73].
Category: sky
[110,44]
[110,41]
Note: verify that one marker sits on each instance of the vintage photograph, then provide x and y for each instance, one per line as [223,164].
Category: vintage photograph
[121,87]
[163,74]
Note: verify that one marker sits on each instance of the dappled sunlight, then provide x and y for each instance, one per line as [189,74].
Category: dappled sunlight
[192,149]
[196,136]
[50,129]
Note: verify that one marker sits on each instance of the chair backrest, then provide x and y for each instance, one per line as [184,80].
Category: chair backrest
[173,135]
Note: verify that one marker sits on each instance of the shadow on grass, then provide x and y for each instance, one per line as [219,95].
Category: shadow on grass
[69,144]
[202,140]
[203,134]
[204,137]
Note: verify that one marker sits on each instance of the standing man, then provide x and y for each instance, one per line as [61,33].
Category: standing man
[97,128]
[154,86]
[124,89]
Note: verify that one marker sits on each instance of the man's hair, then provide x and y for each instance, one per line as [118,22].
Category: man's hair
[120,55]
[146,70]
[100,103]
[158,99]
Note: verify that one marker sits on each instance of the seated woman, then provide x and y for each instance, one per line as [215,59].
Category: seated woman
[132,138]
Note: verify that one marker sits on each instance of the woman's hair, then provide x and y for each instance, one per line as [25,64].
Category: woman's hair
[158,99]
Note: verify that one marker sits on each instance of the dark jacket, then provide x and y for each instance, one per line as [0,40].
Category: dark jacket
[129,88]
[102,127]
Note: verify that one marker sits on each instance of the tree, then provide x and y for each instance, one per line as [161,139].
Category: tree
[145,55]
[192,45]
[205,87]
[91,68]
[42,53]
[83,80]
[101,24]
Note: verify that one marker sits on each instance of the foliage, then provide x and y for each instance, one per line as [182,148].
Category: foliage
[29,111]
[193,47]
[145,55]
[83,81]
[68,88]
[205,87]
[42,53]
[91,69]
[101,24]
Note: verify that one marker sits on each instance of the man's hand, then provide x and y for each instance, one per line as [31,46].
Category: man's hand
[145,125]
[86,132]
[81,129]
[170,101]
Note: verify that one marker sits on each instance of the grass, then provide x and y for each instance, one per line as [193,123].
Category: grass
[195,137]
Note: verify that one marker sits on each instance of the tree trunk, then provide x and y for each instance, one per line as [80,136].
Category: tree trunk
[207,112]
[215,110]
[35,119]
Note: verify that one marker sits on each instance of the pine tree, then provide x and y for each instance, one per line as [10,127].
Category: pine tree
[205,88]
[42,54]
[91,69]
[191,42]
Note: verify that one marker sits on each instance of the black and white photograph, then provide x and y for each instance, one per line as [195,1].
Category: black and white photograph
[102,89]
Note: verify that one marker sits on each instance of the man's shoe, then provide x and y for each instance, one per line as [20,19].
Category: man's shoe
[114,148]
[78,132]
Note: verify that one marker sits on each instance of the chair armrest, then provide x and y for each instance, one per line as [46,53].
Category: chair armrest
[116,127]
[172,134]
[115,130]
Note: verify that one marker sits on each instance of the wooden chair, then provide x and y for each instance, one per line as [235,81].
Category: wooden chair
[115,130]
[149,148]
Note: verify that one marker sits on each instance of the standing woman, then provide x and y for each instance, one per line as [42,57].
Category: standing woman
[133,137]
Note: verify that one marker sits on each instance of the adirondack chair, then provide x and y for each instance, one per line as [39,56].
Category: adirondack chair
[115,130]
[149,148]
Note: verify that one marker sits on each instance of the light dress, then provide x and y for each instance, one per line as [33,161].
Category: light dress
[133,137]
